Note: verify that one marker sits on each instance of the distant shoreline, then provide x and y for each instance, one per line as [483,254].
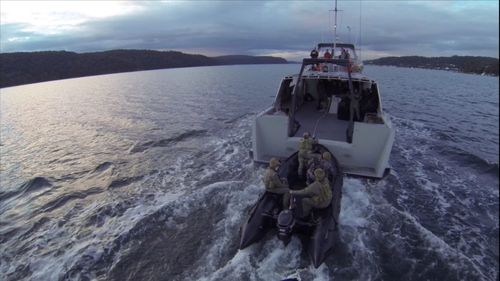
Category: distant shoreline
[33,67]
[428,68]
[461,64]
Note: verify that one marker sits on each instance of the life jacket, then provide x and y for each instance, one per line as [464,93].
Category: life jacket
[270,179]
[303,144]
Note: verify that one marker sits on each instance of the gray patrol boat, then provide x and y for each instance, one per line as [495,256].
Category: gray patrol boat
[335,102]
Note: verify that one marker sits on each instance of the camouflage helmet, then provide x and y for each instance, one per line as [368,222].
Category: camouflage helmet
[327,156]
[273,163]
[319,174]
[306,135]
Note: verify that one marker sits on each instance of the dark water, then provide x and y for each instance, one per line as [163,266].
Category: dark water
[146,176]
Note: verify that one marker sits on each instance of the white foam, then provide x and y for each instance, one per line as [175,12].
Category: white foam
[355,204]
[49,266]
[439,246]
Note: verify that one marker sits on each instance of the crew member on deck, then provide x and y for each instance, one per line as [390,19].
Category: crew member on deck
[342,54]
[314,53]
[356,116]
[327,55]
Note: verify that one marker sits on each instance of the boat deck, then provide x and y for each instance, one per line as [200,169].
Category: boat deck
[328,126]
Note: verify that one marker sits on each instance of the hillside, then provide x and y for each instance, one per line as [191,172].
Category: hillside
[465,64]
[33,67]
[241,59]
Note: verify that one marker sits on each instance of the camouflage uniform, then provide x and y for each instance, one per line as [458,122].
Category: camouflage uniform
[318,194]
[274,184]
[305,150]
[312,165]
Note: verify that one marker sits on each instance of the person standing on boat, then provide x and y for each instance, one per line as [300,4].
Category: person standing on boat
[327,55]
[317,195]
[322,90]
[355,112]
[314,54]
[343,54]
[306,145]
[274,184]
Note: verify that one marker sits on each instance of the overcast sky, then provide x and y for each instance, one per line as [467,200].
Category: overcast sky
[282,28]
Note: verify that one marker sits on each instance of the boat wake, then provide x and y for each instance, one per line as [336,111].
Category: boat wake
[428,219]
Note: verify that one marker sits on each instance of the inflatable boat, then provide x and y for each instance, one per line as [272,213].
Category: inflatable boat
[318,232]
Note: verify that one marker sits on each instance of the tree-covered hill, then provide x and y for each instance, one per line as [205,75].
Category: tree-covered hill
[466,64]
[32,67]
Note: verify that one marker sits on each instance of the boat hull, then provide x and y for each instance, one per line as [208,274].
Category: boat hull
[367,155]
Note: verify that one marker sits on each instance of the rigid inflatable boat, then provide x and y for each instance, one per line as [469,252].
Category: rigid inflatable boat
[318,232]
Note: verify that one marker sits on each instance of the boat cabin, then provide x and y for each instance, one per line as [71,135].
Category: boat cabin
[340,107]
[325,105]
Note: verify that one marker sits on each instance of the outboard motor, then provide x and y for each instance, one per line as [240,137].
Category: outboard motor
[285,224]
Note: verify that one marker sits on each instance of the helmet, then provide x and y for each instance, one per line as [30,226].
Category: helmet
[273,163]
[327,156]
[306,135]
[319,174]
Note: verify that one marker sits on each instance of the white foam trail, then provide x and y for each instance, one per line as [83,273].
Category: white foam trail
[440,247]
[355,204]
[269,259]
[47,264]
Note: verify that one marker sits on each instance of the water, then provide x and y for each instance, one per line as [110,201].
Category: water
[146,176]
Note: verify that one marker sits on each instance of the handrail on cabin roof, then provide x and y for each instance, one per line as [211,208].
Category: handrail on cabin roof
[341,62]
[338,45]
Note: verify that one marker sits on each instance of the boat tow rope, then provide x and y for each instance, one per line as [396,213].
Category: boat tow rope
[321,117]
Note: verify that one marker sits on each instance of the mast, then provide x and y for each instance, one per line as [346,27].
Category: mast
[359,30]
[335,30]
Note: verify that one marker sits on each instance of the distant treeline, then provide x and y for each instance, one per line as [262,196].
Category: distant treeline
[33,67]
[466,64]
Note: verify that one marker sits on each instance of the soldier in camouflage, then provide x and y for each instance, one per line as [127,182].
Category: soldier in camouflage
[312,165]
[317,195]
[305,150]
[274,184]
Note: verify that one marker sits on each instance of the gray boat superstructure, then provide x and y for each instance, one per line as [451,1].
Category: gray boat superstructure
[334,101]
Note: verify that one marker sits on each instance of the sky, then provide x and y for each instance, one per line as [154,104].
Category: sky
[288,29]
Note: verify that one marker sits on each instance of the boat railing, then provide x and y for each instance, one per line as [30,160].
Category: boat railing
[337,61]
[333,64]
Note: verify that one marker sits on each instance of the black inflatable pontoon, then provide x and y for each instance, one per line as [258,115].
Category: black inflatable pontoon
[318,233]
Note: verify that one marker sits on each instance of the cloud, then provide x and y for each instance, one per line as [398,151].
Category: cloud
[289,29]
[423,29]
